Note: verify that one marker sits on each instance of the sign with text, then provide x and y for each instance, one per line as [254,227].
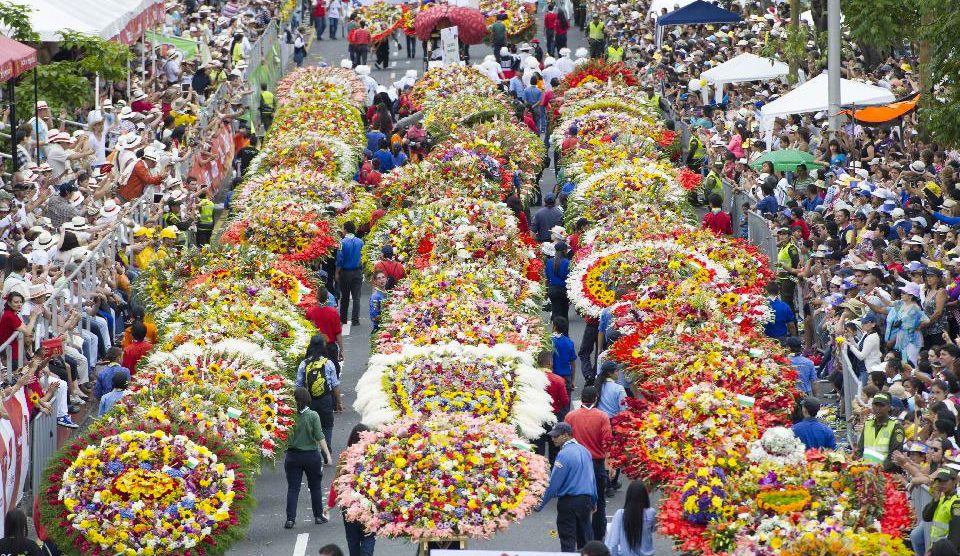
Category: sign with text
[450,45]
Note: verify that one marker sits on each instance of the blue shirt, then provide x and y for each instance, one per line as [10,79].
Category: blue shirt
[516,86]
[329,373]
[616,539]
[386,160]
[110,399]
[572,474]
[373,140]
[376,307]
[399,159]
[807,372]
[782,314]
[532,95]
[611,398]
[563,354]
[815,434]
[331,300]
[768,205]
[810,205]
[105,379]
[560,277]
[605,320]
[348,257]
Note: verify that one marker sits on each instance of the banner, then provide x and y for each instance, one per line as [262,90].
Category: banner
[220,150]
[14,451]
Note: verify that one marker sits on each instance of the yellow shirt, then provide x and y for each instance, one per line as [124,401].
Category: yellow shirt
[143,258]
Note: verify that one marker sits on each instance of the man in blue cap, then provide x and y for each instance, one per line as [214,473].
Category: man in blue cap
[546,218]
[573,484]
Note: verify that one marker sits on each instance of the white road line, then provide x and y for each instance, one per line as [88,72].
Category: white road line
[300,549]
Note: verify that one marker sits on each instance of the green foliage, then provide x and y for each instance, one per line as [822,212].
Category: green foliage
[882,24]
[58,83]
[16,17]
[96,55]
[940,112]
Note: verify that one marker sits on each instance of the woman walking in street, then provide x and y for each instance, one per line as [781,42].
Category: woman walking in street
[360,542]
[556,270]
[303,457]
[631,532]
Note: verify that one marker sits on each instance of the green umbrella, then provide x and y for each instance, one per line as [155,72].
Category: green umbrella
[785,160]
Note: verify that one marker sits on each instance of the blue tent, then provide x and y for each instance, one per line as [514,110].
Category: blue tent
[699,12]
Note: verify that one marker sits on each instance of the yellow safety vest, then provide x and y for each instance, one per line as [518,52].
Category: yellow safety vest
[941,518]
[595,32]
[614,55]
[876,444]
[696,145]
[784,261]
[205,219]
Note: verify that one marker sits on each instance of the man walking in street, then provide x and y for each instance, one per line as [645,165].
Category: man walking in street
[349,274]
[550,29]
[546,218]
[573,484]
[596,37]
[498,35]
[591,428]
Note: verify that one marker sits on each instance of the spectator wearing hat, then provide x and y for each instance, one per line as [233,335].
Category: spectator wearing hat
[904,317]
[882,435]
[137,171]
[943,511]
[864,353]
[40,124]
[814,433]
[573,484]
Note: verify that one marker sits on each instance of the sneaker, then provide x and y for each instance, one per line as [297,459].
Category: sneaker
[65,421]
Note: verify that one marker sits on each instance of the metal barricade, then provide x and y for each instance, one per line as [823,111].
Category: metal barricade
[43,446]
[760,234]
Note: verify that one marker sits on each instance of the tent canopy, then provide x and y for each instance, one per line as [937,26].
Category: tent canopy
[699,12]
[812,97]
[122,20]
[15,58]
[745,67]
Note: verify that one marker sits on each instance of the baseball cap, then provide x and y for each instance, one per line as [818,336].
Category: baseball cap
[559,429]
[944,474]
[882,398]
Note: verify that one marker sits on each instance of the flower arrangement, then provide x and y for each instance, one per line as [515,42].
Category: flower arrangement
[381,18]
[599,71]
[147,491]
[440,478]
[777,445]
[288,231]
[308,152]
[330,119]
[453,318]
[661,444]
[472,280]
[519,22]
[654,185]
[445,116]
[497,382]
[519,148]
[308,83]
[451,81]
[459,176]
[702,495]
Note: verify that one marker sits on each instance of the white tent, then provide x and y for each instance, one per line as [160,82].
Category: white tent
[743,68]
[812,96]
[106,19]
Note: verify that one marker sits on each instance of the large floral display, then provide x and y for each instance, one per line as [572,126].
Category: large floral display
[169,469]
[712,392]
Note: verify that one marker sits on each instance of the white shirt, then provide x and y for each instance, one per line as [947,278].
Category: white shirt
[870,352]
[57,159]
[490,69]
[549,74]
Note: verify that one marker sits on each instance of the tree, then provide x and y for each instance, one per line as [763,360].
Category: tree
[882,24]
[940,108]
[16,18]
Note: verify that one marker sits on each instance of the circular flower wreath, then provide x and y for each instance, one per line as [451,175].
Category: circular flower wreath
[449,230]
[331,83]
[446,116]
[432,180]
[209,410]
[455,318]
[499,383]
[520,149]
[263,393]
[475,280]
[607,193]
[631,224]
[451,81]
[286,230]
[440,478]
[668,360]
[154,492]
[593,281]
[308,153]
[661,444]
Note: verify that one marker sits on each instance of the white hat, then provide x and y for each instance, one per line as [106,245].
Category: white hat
[504,51]
[126,113]
[150,153]
[138,95]
[44,241]
[531,62]
[236,73]
[62,137]
[128,141]
[110,208]
[564,51]
[41,104]
[362,70]
[77,223]
[76,198]
[177,195]
[582,52]
[412,74]
[346,64]
[549,61]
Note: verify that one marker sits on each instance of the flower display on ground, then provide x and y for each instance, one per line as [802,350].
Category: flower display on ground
[308,83]
[520,149]
[308,152]
[464,176]
[380,18]
[497,382]
[609,192]
[449,81]
[447,115]
[440,478]
[159,491]
[288,231]
[329,119]
[472,280]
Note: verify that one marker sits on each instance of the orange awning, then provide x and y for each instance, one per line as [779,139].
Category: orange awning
[885,113]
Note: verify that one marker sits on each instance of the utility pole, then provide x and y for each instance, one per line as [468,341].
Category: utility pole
[833,63]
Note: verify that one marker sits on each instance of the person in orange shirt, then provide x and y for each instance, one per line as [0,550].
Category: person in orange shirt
[137,315]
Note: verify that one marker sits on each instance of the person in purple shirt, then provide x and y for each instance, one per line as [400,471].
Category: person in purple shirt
[814,433]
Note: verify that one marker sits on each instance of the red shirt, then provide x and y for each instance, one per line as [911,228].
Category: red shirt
[320,9]
[804,229]
[591,428]
[141,106]
[9,323]
[361,36]
[327,321]
[550,20]
[718,222]
[557,388]
[373,178]
[133,353]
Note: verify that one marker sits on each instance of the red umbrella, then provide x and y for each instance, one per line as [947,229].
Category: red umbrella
[472,25]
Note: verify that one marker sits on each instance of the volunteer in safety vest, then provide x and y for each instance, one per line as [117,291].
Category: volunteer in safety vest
[614,53]
[788,266]
[943,510]
[267,106]
[596,35]
[204,219]
[713,183]
[319,376]
[695,153]
[882,436]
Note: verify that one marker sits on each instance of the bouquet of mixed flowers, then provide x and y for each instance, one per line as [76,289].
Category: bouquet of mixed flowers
[287,230]
[330,83]
[611,191]
[430,180]
[472,280]
[664,442]
[329,119]
[597,70]
[445,116]
[520,149]
[451,81]
[440,478]
[381,18]
[468,320]
[520,22]
[166,490]
[307,154]
[496,382]
[446,231]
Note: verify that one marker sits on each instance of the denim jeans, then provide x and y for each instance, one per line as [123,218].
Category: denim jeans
[334,21]
[320,24]
[359,542]
[296,464]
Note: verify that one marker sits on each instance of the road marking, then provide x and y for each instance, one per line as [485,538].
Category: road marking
[300,549]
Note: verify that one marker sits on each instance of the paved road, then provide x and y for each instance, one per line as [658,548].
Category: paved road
[266,535]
